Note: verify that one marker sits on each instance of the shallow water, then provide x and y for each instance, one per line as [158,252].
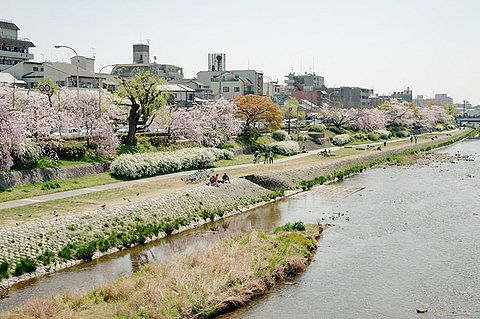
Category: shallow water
[407,239]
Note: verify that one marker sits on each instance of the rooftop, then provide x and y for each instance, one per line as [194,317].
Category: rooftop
[8,25]
[70,69]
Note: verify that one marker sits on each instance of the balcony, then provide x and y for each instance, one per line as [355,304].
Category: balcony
[16,55]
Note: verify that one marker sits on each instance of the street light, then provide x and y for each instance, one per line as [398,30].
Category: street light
[78,80]
[100,87]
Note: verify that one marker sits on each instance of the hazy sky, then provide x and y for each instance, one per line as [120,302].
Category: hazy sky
[387,45]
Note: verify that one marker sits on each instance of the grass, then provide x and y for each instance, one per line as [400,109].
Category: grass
[38,189]
[226,276]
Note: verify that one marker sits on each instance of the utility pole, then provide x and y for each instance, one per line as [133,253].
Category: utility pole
[464,108]
[78,78]
[100,88]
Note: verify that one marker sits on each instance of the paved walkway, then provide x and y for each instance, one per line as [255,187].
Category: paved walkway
[82,191]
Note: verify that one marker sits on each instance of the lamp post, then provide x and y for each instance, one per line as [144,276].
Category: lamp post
[100,88]
[78,78]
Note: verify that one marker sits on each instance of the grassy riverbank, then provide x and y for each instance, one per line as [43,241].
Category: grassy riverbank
[220,279]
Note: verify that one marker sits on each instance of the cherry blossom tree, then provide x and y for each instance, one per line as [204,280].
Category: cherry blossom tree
[12,131]
[429,116]
[367,119]
[336,115]
[399,114]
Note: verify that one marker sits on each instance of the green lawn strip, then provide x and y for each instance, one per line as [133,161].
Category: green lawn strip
[38,189]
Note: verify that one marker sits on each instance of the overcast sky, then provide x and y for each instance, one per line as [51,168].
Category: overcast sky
[387,45]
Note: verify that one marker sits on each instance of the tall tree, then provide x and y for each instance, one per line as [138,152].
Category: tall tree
[255,109]
[290,110]
[336,114]
[143,95]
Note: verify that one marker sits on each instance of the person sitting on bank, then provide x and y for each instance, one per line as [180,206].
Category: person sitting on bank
[304,149]
[214,180]
[225,179]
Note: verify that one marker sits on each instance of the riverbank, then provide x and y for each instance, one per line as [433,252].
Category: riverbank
[208,283]
[34,248]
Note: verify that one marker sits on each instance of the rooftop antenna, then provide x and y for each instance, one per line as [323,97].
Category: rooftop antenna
[148,41]
[301,67]
[248,64]
[93,52]
[313,64]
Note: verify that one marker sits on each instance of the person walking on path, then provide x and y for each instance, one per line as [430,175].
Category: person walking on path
[416,139]
[270,157]
[265,161]
[411,139]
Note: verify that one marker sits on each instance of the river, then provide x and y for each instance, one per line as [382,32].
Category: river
[405,238]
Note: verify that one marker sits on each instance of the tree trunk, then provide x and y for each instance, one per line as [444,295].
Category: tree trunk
[133,118]
[289,127]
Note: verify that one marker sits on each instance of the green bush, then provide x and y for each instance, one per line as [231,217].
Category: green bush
[72,150]
[383,134]
[336,130]
[360,136]
[51,185]
[249,135]
[279,135]
[46,258]
[66,253]
[86,251]
[296,226]
[316,128]
[30,156]
[402,134]
[25,265]
[4,269]
[373,137]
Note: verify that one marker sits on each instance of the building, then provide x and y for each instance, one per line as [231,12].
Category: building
[6,79]
[350,97]
[216,62]
[141,63]
[179,94]
[63,74]
[232,83]
[13,49]
[403,96]
[272,88]
[438,99]
[202,92]
[308,86]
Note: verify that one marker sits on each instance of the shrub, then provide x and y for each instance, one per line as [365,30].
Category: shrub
[4,269]
[51,185]
[373,137]
[86,251]
[402,134]
[336,130]
[25,265]
[360,136]
[249,135]
[30,157]
[151,164]
[46,258]
[341,139]
[296,226]
[279,135]
[287,148]
[383,134]
[316,128]
[72,150]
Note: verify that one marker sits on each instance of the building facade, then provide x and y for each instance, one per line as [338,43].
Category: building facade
[355,97]
[308,86]
[230,84]
[141,63]
[13,49]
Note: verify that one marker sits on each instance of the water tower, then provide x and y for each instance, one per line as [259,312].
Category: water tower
[141,53]
[216,62]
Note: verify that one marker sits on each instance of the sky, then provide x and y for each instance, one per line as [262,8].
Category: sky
[430,46]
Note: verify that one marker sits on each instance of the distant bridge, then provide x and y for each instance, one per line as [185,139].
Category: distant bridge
[463,120]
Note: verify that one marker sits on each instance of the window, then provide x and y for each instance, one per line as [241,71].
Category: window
[236,89]
[226,89]
[35,68]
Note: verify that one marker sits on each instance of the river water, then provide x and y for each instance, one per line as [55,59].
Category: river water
[405,238]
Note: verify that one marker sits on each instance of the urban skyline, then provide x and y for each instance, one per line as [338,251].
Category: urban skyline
[349,53]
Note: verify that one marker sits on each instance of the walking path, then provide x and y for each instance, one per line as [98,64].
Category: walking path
[66,194]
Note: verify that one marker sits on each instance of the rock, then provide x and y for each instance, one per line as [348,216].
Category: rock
[422,310]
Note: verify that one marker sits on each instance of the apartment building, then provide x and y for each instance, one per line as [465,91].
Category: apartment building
[13,49]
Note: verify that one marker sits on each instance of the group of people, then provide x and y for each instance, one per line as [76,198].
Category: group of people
[414,138]
[216,181]
[268,157]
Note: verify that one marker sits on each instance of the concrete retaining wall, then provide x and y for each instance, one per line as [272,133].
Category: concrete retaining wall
[17,178]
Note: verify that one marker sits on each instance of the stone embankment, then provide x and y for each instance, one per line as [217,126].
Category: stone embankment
[122,226]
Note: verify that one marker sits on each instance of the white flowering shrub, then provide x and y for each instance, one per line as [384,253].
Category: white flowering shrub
[285,148]
[341,139]
[151,164]
[360,136]
[383,134]
[280,135]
